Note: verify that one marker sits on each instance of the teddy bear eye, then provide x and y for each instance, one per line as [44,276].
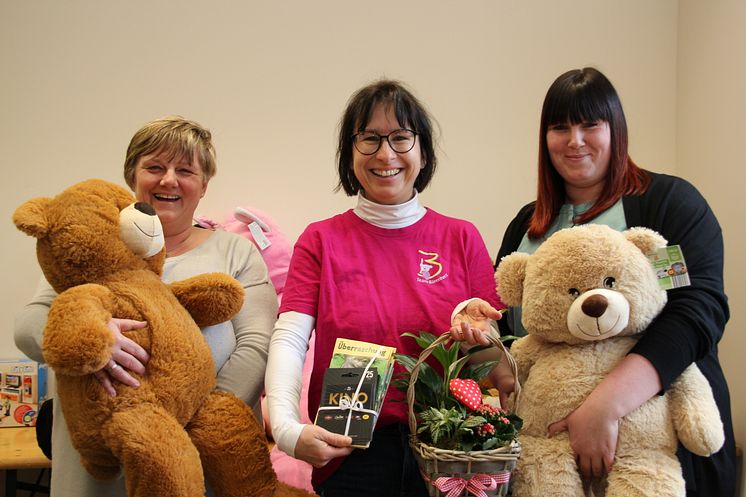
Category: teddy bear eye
[574,292]
[609,282]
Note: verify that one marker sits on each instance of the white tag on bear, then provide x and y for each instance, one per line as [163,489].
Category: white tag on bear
[259,237]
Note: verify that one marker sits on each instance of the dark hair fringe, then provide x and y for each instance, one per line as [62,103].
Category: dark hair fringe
[584,95]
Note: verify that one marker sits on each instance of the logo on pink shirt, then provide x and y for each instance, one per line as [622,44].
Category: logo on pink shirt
[430,268]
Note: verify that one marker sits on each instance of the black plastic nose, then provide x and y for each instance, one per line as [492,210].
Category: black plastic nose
[145,208]
[595,306]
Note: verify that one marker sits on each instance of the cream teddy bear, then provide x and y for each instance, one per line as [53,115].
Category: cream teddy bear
[586,294]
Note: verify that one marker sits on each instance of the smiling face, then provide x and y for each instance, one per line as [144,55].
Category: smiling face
[581,153]
[387,177]
[173,186]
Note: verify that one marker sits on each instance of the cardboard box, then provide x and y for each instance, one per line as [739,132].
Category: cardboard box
[23,387]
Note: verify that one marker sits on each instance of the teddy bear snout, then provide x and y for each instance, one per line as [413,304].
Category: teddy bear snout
[595,306]
[141,230]
[598,314]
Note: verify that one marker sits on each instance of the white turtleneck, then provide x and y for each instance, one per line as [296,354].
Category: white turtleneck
[390,216]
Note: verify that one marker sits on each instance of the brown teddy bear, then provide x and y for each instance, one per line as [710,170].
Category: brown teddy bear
[103,253]
[586,294]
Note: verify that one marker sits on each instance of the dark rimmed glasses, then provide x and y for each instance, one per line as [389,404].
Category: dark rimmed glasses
[401,141]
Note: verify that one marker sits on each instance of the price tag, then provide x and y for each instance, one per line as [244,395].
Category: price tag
[259,237]
[670,267]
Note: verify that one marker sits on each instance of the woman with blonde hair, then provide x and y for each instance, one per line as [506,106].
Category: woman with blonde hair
[169,164]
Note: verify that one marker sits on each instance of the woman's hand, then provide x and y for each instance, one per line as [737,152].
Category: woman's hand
[594,426]
[318,446]
[593,437]
[472,323]
[126,356]
[471,326]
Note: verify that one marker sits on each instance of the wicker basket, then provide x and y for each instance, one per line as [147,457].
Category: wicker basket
[453,473]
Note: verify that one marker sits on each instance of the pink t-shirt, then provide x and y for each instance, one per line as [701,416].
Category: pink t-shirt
[368,283]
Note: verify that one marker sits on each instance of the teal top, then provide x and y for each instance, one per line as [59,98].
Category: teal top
[612,217]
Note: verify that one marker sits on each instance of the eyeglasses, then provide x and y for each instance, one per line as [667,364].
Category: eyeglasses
[401,141]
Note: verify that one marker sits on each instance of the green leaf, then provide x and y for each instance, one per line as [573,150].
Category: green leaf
[428,389]
[450,403]
[488,444]
[453,353]
[409,334]
[473,421]
[401,384]
[478,371]
[423,339]
[516,421]
[441,424]
[407,361]
[455,368]
[467,446]
[441,355]
[477,348]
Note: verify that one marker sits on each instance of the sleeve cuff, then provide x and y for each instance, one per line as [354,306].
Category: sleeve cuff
[460,307]
[288,436]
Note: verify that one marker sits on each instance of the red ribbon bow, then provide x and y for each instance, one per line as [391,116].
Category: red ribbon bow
[476,485]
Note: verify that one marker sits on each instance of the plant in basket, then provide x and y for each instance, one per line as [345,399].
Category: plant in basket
[449,408]
[463,445]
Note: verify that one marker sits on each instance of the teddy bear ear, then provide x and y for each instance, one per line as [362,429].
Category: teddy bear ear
[647,240]
[31,217]
[509,277]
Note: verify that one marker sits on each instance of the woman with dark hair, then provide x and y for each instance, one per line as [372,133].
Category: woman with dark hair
[586,176]
[386,267]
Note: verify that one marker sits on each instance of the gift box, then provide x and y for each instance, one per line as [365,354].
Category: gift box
[354,389]
[23,387]
[347,403]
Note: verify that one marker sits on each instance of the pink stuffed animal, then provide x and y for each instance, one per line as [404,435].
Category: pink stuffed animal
[262,231]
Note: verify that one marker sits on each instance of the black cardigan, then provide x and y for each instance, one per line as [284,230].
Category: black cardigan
[691,325]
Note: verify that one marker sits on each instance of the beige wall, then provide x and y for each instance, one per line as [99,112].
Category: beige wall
[271,78]
[710,134]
